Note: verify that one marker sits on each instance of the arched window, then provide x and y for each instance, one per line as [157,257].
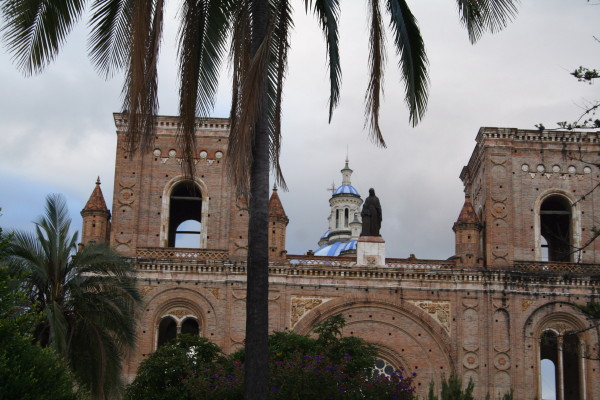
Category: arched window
[560,366]
[556,229]
[167,330]
[185,210]
[190,326]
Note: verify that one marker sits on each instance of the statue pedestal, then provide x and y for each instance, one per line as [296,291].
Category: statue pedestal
[370,251]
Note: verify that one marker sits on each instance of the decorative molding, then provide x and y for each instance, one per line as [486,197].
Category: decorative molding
[525,304]
[215,292]
[301,305]
[438,310]
[144,290]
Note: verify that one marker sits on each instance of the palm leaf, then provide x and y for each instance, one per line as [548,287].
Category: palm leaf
[203,31]
[108,43]
[376,67]
[36,29]
[413,60]
[281,12]
[479,16]
[140,89]
[327,12]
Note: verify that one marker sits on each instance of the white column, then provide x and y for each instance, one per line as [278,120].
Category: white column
[560,385]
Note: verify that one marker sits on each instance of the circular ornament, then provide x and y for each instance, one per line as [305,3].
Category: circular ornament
[587,170]
[572,169]
[556,169]
[156,152]
[219,154]
[540,168]
[203,154]
[172,153]
[524,167]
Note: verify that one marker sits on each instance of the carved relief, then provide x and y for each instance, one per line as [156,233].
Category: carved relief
[439,310]
[471,360]
[525,304]
[470,319]
[126,196]
[179,312]
[303,304]
[144,290]
[501,333]
[215,292]
[502,361]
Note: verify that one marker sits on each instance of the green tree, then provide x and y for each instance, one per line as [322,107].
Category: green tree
[127,34]
[300,367]
[86,300]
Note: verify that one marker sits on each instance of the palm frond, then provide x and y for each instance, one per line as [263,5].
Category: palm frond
[281,12]
[110,29]
[203,31]
[479,16]
[413,60]
[328,11]
[252,75]
[35,30]
[376,66]
[140,89]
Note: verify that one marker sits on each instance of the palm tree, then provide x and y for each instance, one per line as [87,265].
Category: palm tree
[86,300]
[125,34]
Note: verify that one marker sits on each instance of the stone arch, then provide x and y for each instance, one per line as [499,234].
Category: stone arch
[407,336]
[560,319]
[180,304]
[166,199]
[575,222]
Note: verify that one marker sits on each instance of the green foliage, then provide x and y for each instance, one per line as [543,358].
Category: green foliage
[27,371]
[300,367]
[86,301]
[160,376]
[591,309]
[452,390]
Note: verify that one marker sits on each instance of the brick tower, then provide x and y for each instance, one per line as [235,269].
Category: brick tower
[96,218]
[278,221]
[534,194]
[466,229]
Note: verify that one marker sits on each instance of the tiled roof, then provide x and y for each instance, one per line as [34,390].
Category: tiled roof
[96,201]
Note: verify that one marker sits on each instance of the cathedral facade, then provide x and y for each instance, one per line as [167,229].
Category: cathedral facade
[505,305]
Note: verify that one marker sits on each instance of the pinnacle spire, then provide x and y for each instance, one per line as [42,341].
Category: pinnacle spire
[96,201]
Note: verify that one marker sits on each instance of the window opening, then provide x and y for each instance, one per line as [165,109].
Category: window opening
[187,234]
[560,366]
[190,327]
[337,218]
[555,224]
[346,218]
[185,205]
[167,330]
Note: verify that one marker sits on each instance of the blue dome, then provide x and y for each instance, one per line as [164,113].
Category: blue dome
[327,232]
[346,189]
[333,250]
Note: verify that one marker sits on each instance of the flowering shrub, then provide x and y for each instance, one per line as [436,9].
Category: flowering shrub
[300,367]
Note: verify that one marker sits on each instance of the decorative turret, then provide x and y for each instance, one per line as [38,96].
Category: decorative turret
[278,221]
[96,218]
[467,230]
[344,219]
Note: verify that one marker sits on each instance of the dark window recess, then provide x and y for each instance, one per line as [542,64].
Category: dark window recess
[167,330]
[190,326]
[555,224]
[185,210]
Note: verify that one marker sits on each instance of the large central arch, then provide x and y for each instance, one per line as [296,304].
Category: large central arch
[405,335]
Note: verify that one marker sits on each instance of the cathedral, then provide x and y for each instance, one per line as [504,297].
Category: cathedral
[503,311]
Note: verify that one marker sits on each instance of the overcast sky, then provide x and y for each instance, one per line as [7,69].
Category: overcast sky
[57,132]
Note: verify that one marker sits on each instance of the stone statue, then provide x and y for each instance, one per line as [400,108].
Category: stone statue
[371,215]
